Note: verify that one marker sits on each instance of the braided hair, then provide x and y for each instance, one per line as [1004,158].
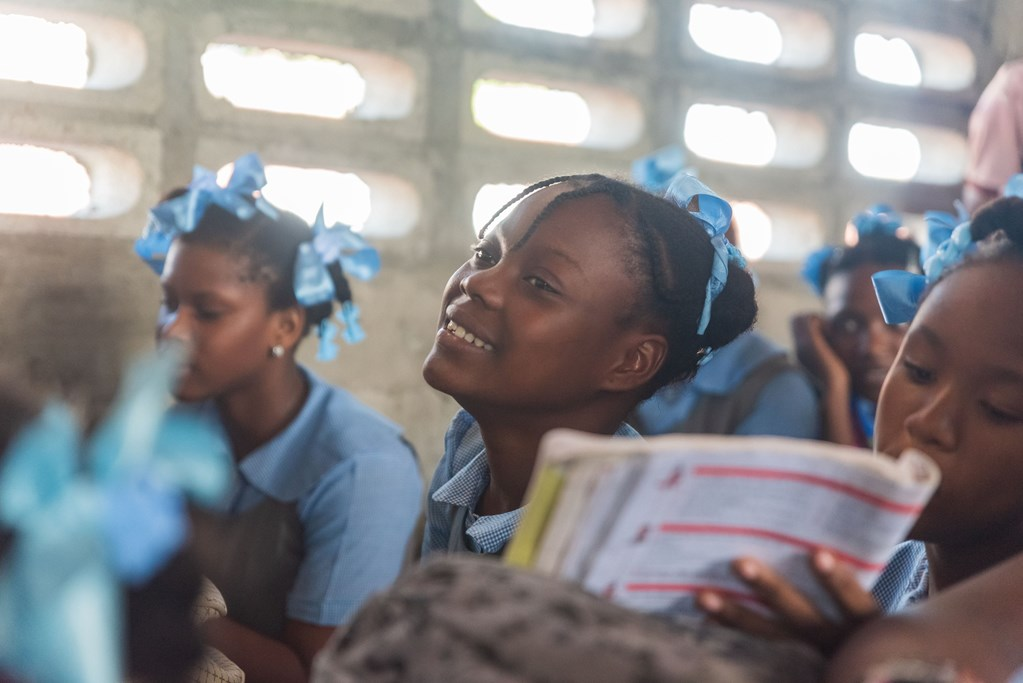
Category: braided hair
[885,250]
[269,246]
[997,230]
[670,255]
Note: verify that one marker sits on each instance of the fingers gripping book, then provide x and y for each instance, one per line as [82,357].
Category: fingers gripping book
[649,523]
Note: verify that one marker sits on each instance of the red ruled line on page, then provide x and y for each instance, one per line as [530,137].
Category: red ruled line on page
[813,480]
[654,587]
[858,562]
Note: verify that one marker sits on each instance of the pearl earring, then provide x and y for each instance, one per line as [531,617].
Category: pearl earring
[276,350]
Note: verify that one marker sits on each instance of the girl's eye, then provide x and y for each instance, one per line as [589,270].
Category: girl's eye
[481,254]
[916,373]
[206,314]
[847,326]
[540,283]
[999,414]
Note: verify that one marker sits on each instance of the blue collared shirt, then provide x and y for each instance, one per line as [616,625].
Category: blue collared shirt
[461,478]
[904,580]
[356,485]
[786,406]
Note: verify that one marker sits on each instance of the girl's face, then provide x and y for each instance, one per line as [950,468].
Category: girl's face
[222,317]
[536,327]
[956,393]
[857,330]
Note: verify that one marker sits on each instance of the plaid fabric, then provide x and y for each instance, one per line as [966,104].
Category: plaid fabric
[904,580]
[460,480]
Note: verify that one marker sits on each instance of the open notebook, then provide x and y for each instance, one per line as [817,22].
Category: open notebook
[648,522]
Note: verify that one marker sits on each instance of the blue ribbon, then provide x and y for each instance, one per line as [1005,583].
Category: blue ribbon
[876,219]
[350,314]
[879,219]
[340,243]
[813,268]
[181,214]
[899,292]
[86,521]
[327,348]
[1014,187]
[715,214]
[313,284]
[655,171]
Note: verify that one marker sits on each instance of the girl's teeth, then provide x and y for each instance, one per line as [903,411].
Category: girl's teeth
[460,332]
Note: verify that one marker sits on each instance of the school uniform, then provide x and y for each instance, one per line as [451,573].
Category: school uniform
[748,387]
[905,579]
[318,518]
[461,478]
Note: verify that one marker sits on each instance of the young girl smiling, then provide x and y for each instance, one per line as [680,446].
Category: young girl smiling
[586,297]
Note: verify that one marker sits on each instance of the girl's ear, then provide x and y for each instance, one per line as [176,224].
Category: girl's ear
[288,324]
[637,366]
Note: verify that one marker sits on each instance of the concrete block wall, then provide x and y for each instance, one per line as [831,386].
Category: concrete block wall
[76,303]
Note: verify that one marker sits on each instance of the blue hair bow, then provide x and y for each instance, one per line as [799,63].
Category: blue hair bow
[877,219]
[813,268]
[715,214]
[899,292]
[85,523]
[1014,187]
[313,284]
[655,171]
[181,214]
[940,225]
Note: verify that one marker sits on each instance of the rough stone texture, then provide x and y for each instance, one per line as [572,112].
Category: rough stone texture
[76,304]
[468,619]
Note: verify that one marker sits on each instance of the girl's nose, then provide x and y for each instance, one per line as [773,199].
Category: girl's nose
[934,423]
[486,286]
[172,325]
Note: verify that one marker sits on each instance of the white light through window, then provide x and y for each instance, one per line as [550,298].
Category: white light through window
[574,17]
[735,33]
[38,181]
[272,80]
[884,152]
[345,196]
[34,50]
[489,199]
[527,111]
[753,226]
[886,61]
[730,134]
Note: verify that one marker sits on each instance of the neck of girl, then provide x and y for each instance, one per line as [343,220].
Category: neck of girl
[260,410]
[949,563]
[512,444]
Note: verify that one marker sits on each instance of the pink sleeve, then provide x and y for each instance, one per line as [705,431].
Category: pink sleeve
[995,136]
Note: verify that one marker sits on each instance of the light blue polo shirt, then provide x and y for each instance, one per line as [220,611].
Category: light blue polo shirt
[786,406]
[356,486]
[461,478]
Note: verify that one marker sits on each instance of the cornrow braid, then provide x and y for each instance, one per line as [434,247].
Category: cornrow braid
[530,190]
